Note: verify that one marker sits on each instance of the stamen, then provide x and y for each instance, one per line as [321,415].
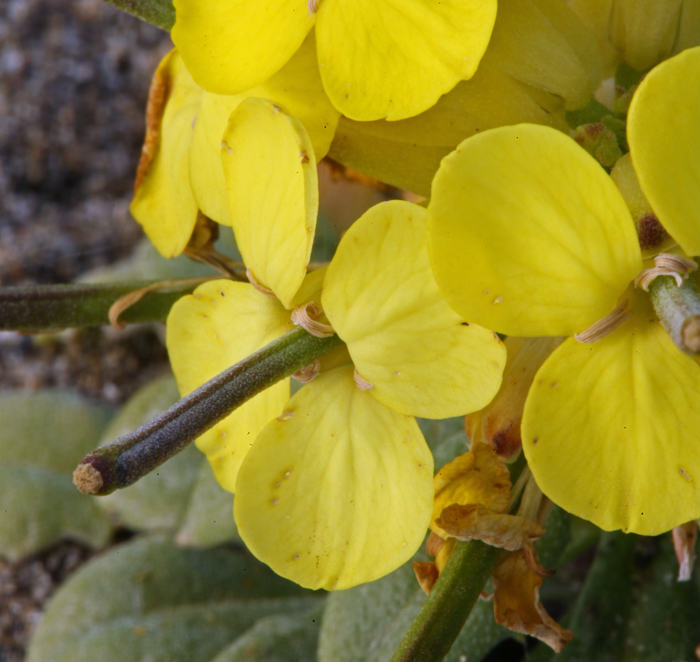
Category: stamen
[607,325]
[308,372]
[312,6]
[258,286]
[305,316]
[667,264]
[361,382]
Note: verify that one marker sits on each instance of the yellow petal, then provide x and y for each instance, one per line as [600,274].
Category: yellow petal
[475,522]
[645,31]
[394,60]
[544,44]
[339,491]
[517,606]
[296,87]
[382,299]
[443,555]
[406,165]
[490,99]
[230,46]
[528,235]
[220,324]
[270,173]
[664,139]
[476,477]
[610,430]
[163,202]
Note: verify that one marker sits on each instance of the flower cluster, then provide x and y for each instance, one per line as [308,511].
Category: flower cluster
[525,234]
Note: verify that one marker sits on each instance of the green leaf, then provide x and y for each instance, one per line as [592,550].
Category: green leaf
[182,493]
[631,608]
[208,519]
[43,436]
[449,448]
[145,263]
[160,13]
[150,601]
[598,618]
[556,538]
[367,623]
[435,432]
[278,639]
[664,623]
[584,535]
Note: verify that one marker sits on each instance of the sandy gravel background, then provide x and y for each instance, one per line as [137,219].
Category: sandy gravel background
[74,77]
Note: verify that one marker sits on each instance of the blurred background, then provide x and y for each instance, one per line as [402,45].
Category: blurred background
[74,80]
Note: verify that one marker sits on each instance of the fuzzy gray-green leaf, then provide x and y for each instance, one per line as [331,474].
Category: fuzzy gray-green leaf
[148,600]
[43,436]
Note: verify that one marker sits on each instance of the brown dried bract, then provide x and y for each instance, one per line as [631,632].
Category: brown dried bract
[684,537]
[158,95]
[475,522]
[427,574]
[517,603]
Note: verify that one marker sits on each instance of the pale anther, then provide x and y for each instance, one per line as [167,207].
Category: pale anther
[361,382]
[312,6]
[305,316]
[258,286]
[308,372]
[603,327]
[667,264]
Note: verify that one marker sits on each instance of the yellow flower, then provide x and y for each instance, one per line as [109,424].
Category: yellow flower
[610,429]
[273,214]
[180,173]
[377,58]
[338,490]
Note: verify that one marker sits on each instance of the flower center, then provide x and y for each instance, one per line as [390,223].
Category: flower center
[667,264]
[305,316]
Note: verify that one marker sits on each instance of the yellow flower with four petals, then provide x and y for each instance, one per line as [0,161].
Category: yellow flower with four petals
[610,429]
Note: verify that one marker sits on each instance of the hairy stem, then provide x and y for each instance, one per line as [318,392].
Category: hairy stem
[678,309]
[131,457]
[50,307]
[453,597]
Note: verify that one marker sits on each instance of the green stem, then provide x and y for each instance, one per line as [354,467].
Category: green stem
[446,609]
[50,307]
[160,13]
[678,309]
[453,597]
[131,457]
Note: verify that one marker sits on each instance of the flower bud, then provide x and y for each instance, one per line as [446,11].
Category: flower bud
[499,423]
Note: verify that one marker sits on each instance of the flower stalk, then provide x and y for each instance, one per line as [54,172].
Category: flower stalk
[129,458]
[37,308]
[454,595]
[678,309]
